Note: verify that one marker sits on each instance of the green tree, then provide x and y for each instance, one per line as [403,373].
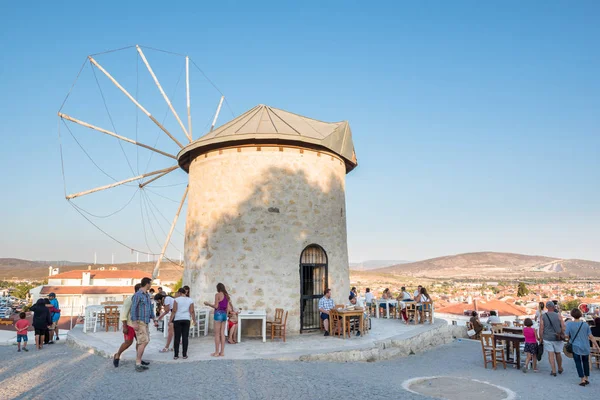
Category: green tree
[571,304]
[22,290]
[522,290]
[178,284]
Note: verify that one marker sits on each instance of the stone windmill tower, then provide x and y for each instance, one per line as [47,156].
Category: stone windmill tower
[266,195]
[267,212]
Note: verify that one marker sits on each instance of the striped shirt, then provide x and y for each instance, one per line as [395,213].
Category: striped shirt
[326,304]
[141,307]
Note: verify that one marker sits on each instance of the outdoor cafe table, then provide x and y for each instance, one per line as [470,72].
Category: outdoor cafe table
[346,314]
[252,314]
[513,329]
[515,340]
[388,303]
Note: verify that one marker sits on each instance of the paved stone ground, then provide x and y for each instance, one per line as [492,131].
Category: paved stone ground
[61,372]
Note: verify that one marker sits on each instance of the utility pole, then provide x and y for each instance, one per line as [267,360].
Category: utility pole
[113,259]
[94,258]
[137,257]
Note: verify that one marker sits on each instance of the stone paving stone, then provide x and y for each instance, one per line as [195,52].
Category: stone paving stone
[62,372]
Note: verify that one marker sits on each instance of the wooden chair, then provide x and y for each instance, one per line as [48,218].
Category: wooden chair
[278,328]
[488,349]
[497,328]
[111,317]
[411,313]
[279,317]
[427,312]
[335,323]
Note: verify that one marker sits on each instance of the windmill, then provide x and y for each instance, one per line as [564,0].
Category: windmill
[178,138]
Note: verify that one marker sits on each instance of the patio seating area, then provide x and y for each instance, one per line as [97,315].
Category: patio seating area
[293,348]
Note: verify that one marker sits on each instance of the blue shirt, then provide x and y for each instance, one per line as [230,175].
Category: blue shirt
[326,304]
[581,343]
[55,316]
[141,307]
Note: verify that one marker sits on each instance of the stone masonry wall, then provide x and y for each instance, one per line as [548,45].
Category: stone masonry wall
[251,212]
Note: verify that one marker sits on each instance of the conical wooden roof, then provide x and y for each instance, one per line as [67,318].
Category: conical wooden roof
[268,124]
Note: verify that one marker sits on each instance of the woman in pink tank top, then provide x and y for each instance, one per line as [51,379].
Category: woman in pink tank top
[531,344]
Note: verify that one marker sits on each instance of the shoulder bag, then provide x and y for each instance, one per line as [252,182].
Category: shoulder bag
[560,336]
[569,345]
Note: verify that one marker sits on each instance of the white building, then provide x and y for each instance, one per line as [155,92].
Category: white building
[80,288]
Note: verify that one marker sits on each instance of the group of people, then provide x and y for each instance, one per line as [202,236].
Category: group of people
[46,314]
[139,309]
[419,296]
[553,334]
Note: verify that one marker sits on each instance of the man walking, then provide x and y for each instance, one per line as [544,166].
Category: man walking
[325,304]
[140,315]
[552,329]
[128,331]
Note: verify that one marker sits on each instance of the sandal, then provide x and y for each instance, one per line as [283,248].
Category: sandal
[185,357]
[164,350]
[176,358]
[560,371]
[214,354]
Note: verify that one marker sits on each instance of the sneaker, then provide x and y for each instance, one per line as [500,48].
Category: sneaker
[358,333]
[140,368]
[18,350]
[57,339]
[145,362]
[116,361]
[326,333]
[25,349]
[50,342]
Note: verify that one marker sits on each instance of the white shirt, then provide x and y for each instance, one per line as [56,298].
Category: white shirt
[369,297]
[494,319]
[183,308]
[169,301]
[405,296]
[416,293]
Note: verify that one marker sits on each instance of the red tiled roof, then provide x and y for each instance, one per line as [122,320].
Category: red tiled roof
[97,274]
[504,309]
[87,290]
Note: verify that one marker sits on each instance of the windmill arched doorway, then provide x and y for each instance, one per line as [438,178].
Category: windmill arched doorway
[313,281]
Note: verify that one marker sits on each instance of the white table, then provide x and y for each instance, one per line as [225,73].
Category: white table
[387,306]
[252,314]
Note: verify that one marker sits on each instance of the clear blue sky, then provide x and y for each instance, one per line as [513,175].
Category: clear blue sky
[476,125]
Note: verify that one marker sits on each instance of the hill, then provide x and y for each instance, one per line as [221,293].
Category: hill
[374,264]
[17,269]
[490,265]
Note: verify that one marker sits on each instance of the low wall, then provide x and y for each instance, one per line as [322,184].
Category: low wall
[397,346]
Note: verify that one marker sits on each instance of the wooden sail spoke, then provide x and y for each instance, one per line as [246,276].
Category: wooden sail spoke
[123,138]
[217,114]
[112,185]
[162,253]
[118,85]
[139,49]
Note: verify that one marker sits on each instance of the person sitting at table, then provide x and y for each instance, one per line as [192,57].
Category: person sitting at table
[477,327]
[355,321]
[494,318]
[417,292]
[368,297]
[402,298]
[325,304]
[387,295]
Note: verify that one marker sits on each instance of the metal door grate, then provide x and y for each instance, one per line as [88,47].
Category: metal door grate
[313,281]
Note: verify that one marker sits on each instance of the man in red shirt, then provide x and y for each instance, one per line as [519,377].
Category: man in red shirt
[21,326]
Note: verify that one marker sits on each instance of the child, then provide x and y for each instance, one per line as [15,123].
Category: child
[232,325]
[21,326]
[531,344]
